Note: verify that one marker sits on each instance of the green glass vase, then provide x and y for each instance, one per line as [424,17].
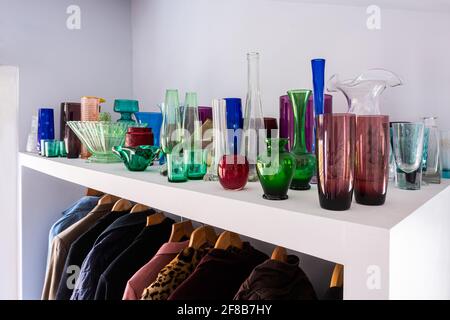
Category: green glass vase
[172,138]
[276,170]
[305,161]
[195,156]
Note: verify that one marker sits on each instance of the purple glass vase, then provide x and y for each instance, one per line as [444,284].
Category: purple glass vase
[204,113]
[335,156]
[372,159]
[287,120]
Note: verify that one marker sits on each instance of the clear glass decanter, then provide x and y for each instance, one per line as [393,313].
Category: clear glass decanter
[372,131]
[254,130]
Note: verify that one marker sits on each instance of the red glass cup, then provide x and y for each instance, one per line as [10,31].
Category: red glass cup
[335,156]
[136,137]
[233,172]
[271,126]
[372,159]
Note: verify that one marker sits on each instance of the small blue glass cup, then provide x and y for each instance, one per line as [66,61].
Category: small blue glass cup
[153,120]
[235,123]
[46,126]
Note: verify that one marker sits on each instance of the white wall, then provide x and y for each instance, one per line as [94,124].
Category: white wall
[9,107]
[56,64]
[201,45]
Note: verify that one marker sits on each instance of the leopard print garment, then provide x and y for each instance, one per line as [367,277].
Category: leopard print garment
[172,275]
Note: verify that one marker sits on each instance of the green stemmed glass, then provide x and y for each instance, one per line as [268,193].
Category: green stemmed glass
[305,161]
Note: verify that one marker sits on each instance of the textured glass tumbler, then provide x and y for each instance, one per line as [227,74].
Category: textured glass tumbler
[445,154]
[176,168]
[431,166]
[372,159]
[407,144]
[335,154]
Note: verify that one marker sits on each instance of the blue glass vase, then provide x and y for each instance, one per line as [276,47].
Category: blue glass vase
[235,123]
[46,126]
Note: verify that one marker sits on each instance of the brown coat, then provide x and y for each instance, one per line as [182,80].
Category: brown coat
[60,248]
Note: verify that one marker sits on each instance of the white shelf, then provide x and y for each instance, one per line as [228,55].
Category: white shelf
[360,238]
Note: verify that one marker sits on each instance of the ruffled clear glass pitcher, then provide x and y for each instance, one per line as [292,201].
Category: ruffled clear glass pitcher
[372,131]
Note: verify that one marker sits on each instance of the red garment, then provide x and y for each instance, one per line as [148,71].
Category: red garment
[148,273]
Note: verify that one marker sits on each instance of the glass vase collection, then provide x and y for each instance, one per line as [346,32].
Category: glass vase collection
[348,154]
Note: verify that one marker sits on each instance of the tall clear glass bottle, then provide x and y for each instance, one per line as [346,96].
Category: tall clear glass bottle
[195,158]
[218,138]
[431,168]
[172,138]
[254,130]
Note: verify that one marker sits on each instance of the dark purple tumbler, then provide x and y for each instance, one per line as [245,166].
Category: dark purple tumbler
[335,157]
[204,113]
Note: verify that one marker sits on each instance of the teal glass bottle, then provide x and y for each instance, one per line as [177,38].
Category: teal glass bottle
[126,108]
[172,138]
[195,156]
[276,169]
[305,161]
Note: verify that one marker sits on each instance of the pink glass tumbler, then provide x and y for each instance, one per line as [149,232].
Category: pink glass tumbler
[335,156]
[372,159]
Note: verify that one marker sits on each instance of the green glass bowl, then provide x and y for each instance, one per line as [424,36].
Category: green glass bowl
[100,137]
[139,158]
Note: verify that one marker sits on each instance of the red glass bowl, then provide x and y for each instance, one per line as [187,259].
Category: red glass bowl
[233,172]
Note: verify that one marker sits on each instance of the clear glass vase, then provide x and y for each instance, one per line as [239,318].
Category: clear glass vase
[372,131]
[254,129]
[219,134]
[195,157]
[172,138]
[431,166]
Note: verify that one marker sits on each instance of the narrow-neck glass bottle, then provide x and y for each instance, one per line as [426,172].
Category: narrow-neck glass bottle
[194,155]
[254,131]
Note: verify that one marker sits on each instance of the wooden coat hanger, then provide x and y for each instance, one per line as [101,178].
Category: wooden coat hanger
[155,219]
[107,199]
[181,230]
[337,279]
[122,205]
[279,254]
[139,208]
[93,193]
[228,239]
[201,236]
